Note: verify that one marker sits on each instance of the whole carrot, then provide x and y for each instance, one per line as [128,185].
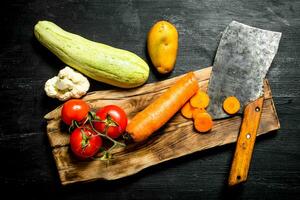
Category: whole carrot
[162,109]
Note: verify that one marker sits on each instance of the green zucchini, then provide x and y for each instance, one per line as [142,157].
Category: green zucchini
[98,61]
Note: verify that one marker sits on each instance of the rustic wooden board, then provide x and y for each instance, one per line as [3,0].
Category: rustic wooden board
[177,138]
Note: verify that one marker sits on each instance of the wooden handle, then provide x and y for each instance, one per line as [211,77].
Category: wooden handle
[245,143]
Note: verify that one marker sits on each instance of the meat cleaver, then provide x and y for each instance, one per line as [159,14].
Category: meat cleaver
[241,63]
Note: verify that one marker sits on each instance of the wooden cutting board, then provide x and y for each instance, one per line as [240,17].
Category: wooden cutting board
[177,138]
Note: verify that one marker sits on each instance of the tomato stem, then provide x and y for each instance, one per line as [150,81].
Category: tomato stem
[85,140]
[74,124]
[108,122]
[106,136]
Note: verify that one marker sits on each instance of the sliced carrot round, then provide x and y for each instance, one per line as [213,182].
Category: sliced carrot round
[187,110]
[197,111]
[200,100]
[231,105]
[203,122]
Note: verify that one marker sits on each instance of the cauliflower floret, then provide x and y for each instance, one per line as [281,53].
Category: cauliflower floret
[67,84]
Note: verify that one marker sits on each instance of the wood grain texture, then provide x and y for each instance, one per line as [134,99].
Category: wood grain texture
[245,142]
[177,138]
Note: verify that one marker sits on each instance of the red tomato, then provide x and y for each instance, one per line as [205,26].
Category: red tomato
[84,142]
[74,109]
[115,119]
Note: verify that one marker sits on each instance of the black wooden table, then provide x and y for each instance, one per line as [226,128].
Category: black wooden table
[27,167]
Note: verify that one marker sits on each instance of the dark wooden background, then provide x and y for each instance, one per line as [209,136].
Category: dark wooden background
[27,167]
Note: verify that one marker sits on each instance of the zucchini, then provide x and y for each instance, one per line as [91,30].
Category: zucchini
[96,60]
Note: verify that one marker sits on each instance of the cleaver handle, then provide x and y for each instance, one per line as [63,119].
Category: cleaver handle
[245,143]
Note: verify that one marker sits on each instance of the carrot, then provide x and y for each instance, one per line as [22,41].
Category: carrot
[200,100]
[231,105]
[187,110]
[163,108]
[203,122]
[197,111]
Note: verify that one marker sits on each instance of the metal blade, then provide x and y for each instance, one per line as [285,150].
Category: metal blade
[241,63]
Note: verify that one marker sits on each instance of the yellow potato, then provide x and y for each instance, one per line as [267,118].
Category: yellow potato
[162,44]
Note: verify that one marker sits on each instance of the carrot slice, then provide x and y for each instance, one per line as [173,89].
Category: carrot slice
[187,110]
[203,122]
[156,114]
[200,100]
[198,111]
[231,105]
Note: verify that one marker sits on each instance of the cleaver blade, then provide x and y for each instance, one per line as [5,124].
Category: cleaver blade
[243,58]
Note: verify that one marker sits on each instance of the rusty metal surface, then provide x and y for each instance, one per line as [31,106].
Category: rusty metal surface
[241,63]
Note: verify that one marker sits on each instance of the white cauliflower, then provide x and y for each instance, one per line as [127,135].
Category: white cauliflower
[67,84]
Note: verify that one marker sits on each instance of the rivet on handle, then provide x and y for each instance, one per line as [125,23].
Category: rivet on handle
[257,109]
[248,136]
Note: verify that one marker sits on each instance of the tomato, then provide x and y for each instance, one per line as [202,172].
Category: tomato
[84,142]
[114,118]
[74,109]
